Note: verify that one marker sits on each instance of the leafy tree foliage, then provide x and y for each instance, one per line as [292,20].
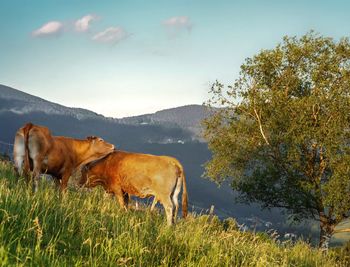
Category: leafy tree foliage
[282,135]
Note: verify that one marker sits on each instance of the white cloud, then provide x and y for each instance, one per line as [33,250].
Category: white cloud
[178,23]
[83,24]
[49,29]
[111,35]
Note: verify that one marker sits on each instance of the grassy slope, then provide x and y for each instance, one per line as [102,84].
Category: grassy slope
[88,229]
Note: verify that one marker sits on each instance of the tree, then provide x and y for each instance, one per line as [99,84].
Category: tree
[282,134]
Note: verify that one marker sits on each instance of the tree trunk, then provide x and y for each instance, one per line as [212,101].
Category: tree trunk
[326,232]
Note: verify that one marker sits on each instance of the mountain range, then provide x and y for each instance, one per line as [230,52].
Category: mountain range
[187,117]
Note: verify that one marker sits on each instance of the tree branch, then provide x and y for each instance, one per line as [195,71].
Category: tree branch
[346,230]
[315,112]
[260,126]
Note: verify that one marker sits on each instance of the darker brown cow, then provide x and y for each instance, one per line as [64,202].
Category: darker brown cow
[140,175]
[36,150]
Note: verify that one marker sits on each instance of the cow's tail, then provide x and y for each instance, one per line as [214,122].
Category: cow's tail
[184,193]
[26,130]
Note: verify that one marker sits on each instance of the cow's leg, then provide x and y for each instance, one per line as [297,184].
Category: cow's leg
[175,197]
[37,163]
[120,196]
[126,198]
[36,153]
[57,182]
[64,180]
[169,209]
[154,203]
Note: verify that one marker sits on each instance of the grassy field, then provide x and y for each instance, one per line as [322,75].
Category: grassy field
[82,228]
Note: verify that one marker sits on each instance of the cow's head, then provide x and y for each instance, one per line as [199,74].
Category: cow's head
[98,147]
[87,171]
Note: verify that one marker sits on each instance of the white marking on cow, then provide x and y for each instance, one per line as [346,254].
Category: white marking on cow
[19,153]
[176,193]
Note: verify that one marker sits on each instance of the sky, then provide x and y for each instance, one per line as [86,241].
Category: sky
[128,57]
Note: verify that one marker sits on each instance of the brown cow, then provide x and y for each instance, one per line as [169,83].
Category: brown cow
[140,175]
[36,150]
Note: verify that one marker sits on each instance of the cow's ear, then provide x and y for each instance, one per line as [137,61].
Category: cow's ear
[90,138]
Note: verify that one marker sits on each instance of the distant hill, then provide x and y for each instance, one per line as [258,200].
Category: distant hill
[19,102]
[187,117]
[17,108]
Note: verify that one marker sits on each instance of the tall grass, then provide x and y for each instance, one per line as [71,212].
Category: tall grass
[81,228]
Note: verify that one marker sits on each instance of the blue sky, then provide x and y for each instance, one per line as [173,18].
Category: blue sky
[128,57]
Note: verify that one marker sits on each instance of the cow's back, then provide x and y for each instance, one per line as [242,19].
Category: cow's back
[142,174]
